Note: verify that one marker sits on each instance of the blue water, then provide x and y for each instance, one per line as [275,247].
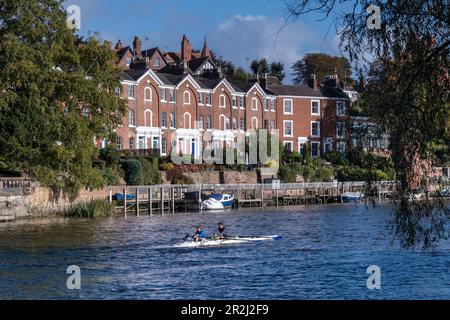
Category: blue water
[324,254]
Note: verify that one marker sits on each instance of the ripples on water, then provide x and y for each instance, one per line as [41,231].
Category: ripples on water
[323,255]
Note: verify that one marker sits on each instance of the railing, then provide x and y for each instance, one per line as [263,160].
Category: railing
[15,185]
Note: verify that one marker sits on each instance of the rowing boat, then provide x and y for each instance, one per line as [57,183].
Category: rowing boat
[223,242]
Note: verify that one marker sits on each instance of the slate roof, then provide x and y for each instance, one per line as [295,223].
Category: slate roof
[305,91]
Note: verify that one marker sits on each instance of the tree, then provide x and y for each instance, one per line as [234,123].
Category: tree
[259,67]
[321,65]
[236,75]
[57,96]
[408,93]
[277,70]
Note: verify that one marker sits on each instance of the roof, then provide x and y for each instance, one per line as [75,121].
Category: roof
[305,91]
[121,52]
[149,52]
[134,74]
[195,64]
[208,83]
[170,79]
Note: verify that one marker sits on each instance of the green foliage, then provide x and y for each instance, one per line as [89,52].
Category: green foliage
[334,158]
[133,172]
[47,75]
[150,172]
[259,67]
[90,210]
[288,173]
[112,175]
[277,70]
[351,173]
[321,65]
[110,155]
[176,176]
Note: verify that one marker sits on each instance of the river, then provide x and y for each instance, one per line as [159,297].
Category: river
[324,254]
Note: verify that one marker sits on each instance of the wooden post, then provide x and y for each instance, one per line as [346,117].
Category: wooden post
[173,199]
[125,201]
[150,201]
[262,195]
[277,191]
[110,196]
[162,200]
[200,198]
[137,202]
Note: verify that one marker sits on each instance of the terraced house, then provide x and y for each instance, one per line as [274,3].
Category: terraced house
[181,101]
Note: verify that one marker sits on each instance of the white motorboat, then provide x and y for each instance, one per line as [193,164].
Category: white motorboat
[349,197]
[212,204]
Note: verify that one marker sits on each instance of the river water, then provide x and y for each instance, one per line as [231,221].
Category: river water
[324,254]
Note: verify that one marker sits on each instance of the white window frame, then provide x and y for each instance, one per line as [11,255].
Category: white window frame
[172,93]
[273,105]
[343,129]
[157,62]
[186,93]
[255,105]
[255,120]
[190,120]
[210,98]
[164,117]
[319,107]
[284,128]
[343,108]
[312,134]
[241,103]
[318,149]
[292,106]
[132,123]
[133,87]
[151,118]
[266,105]
[148,89]
[163,94]
[174,120]
[201,101]
[344,147]
[234,102]
[224,105]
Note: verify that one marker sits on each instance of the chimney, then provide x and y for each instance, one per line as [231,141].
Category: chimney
[119,45]
[205,51]
[312,82]
[137,45]
[331,81]
[186,50]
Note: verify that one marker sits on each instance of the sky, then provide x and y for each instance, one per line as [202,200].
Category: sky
[239,30]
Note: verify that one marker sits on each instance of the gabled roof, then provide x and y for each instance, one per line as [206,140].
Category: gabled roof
[208,83]
[195,64]
[123,51]
[150,52]
[134,74]
[171,79]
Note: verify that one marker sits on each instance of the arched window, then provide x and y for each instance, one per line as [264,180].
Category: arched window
[187,120]
[254,123]
[187,97]
[222,101]
[222,122]
[148,94]
[148,118]
[254,103]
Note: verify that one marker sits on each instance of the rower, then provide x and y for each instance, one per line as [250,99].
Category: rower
[199,234]
[220,234]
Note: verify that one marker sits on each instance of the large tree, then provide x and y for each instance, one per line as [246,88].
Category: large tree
[321,65]
[57,96]
[407,55]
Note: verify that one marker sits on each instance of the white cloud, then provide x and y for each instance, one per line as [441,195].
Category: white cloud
[244,38]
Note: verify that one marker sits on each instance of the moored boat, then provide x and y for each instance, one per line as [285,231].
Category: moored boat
[212,204]
[223,242]
[349,197]
[226,199]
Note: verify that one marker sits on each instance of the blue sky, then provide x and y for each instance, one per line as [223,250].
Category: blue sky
[240,30]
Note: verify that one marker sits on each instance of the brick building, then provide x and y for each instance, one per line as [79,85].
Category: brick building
[180,100]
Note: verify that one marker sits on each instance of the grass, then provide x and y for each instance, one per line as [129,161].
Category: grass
[92,209]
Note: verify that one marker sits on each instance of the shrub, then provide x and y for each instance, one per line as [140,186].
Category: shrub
[288,174]
[133,171]
[150,173]
[110,155]
[112,176]
[166,166]
[91,210]
[334,157]
[176,176]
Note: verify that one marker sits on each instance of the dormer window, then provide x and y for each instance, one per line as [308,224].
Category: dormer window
[157,63]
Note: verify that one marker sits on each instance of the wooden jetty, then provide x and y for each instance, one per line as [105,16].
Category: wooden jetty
[169,199]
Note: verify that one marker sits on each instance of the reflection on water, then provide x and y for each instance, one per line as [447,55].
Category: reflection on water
[324,253]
